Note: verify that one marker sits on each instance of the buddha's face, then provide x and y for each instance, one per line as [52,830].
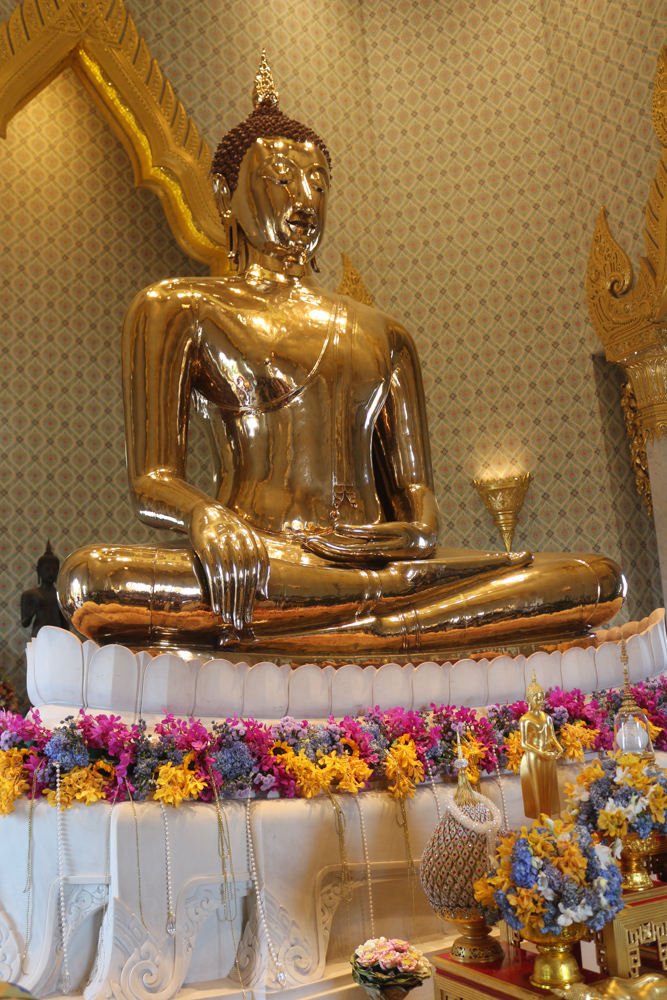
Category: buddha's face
[280,201]
[47,573]
[536,701]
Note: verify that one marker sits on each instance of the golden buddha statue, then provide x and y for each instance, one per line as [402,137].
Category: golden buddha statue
[322,535]
[539,780]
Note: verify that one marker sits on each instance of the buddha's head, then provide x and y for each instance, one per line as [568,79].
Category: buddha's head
[271,179]
[48,565]
[535,695]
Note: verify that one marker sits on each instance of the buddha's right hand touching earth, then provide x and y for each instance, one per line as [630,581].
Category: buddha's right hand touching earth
[234,560]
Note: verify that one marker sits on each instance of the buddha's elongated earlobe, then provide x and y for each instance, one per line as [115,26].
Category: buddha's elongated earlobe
[223,202]
[313,264]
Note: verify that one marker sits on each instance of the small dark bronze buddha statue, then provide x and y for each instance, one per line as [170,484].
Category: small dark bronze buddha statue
[321,538]
[39,606]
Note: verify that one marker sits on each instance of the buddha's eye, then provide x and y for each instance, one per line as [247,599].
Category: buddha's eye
[317,181]
[278,172]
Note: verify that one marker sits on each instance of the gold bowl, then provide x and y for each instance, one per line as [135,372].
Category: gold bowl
[555,966]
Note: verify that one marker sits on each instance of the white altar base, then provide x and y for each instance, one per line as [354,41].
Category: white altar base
[113,953]
[297,854]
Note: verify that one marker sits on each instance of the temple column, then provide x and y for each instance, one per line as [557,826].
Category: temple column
[646,420]
[656,453]
[630,318]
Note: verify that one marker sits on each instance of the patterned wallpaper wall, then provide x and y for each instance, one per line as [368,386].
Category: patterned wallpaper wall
[472,144]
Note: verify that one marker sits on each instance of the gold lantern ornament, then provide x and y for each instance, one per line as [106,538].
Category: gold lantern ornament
[457,854]
[503,498]
[632,731]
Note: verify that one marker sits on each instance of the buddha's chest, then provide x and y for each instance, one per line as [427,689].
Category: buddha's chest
[262,360]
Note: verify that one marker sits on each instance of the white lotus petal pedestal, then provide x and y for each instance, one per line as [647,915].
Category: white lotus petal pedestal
[115,870]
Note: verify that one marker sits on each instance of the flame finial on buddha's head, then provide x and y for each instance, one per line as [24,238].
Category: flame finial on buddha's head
[264,90]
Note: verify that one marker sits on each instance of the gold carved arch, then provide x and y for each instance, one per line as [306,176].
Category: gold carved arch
[631,317]
[100,41]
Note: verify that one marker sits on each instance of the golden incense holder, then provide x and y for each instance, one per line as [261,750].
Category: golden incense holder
[503,498]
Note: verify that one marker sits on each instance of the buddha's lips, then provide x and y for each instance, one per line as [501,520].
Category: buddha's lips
[301,223]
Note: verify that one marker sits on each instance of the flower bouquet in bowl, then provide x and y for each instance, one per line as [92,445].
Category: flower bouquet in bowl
[551,883]
[623,798]
[389,968]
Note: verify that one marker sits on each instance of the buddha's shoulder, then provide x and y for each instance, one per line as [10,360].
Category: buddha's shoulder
[181,289]
[370,317]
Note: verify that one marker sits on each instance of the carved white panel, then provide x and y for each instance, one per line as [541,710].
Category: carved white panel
[578,670]
[169,685]
[505,677]
[430,685]
[640,657]
[608,665]
[130,964]
[309,692]
[10,956]
[351,690]
[547,669]
[468,683]
[392,686]
[219,690]
[265,692]
[58,667]
[113,679]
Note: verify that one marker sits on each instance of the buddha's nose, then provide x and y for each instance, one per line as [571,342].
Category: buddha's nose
[303,194]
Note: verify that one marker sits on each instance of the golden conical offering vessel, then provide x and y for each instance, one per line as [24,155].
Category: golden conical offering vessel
[503,498]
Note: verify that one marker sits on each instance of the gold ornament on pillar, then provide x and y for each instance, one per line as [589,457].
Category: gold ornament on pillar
[503,498]
[631,317]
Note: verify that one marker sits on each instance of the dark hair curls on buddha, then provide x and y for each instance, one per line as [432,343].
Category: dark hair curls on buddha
[319,537]
[265,120]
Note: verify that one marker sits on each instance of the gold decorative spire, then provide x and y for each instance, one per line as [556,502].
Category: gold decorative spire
[533,687]
[464,795]
[628,704]
[264,91]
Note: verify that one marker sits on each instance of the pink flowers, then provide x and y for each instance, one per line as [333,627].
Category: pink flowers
[391,954]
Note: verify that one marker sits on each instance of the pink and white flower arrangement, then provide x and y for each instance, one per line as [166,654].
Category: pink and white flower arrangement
[389,967]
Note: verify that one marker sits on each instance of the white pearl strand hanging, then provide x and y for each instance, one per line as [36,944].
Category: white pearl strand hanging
[281,975]
[431,776]
[367,864]
[107,886]
[28,883]
[64,929]
[499,782]
[171,918]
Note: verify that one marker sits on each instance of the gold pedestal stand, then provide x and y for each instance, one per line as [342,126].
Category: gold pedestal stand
[474,943]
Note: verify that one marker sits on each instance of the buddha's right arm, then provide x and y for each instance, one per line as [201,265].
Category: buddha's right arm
[159,366]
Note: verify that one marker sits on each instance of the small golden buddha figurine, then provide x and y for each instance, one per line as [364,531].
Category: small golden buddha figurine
[539,780]
[321,537]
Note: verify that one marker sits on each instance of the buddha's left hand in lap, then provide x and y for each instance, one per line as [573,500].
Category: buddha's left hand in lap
[368,542]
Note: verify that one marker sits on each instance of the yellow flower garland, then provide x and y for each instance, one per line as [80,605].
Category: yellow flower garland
[13,779]
[178,783]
